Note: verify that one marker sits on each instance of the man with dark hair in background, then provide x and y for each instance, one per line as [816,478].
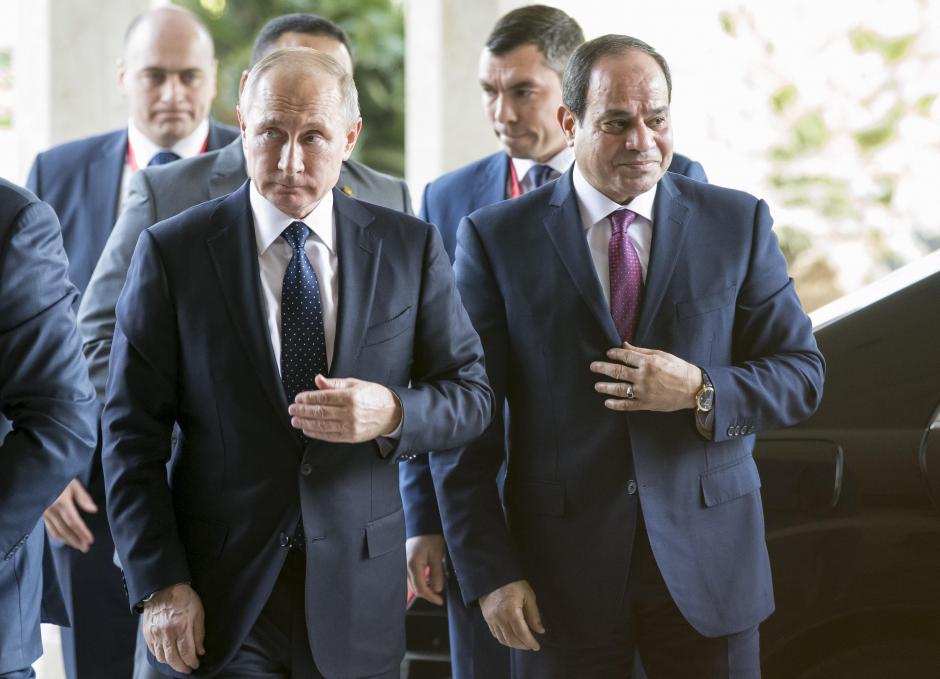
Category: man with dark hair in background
[168,75]
[520,72]
[642,328]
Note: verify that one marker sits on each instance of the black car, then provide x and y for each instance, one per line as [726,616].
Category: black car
[851,500]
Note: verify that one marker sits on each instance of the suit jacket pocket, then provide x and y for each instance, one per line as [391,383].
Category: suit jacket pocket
[202,537]
[386,330]
[385,534]
[703,305]
[730,481]
[541,497]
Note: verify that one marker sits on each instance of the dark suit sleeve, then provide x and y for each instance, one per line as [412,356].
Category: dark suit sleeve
[422,516]
[136,427]
[44,388]
[465,478]
[776,375]
[449,402]
[96,312]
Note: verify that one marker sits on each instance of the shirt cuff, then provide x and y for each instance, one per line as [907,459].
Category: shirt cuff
[388,442]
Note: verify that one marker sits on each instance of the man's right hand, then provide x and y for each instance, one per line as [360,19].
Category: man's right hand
[512,615]
[63,520]
[425,555]
[174,627]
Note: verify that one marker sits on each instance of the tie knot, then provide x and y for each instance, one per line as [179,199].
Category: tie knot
[162,158]
[620,220]
[540,174]
[296,235]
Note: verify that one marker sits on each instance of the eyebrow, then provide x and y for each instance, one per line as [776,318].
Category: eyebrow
[629,114]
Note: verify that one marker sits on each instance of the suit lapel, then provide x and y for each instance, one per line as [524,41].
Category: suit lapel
[104,184]
[563,224]
[357,250]
[670,215]
[234,253]
[228,170]
[491,181]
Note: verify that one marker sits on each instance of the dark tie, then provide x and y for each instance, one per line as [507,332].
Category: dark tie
[303,341]
[626,275]
[540,174]
[163,158]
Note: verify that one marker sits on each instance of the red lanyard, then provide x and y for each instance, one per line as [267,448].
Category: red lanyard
[514,188]
[132,159]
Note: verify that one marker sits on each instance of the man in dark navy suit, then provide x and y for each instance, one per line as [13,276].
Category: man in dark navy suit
[303,342]
[642,328]
[520,74]
[168,75]
[47,411]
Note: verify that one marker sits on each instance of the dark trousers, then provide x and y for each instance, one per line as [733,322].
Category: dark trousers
[669,647]
[100,642]
[474,653]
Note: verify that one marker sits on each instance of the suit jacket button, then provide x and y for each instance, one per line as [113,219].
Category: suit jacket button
[284,539]
[631,487]
[731,430]
[306,469]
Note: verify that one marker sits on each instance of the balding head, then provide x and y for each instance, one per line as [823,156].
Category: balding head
[299,117]
[168,73]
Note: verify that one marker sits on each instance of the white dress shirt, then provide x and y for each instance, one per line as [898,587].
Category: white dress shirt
[595,207]
[274,254]
[560,162]
[144,150]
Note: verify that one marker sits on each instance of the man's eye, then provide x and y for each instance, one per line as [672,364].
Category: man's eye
[190,77]
[153,77]
[614,125]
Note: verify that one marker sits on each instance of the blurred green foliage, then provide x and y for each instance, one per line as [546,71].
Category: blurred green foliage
[892,49]
[376,31]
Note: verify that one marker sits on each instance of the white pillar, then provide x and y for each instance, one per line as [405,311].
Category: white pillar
[64,68]
[445,127]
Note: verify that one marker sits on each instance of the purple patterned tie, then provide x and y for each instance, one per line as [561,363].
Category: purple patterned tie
[626,275]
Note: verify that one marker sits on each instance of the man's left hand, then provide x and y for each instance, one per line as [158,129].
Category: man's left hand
[647,379]
[345,410]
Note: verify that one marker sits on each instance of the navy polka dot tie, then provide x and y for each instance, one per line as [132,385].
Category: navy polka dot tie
[303,342]
[626,275]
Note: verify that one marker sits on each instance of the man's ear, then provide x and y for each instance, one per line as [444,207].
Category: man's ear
[568,122]
[241,83]
[351,138]
[122,75]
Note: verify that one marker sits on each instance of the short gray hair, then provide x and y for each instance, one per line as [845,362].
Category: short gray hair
[304,60]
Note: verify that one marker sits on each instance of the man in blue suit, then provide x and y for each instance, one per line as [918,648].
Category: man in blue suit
[642,328]
[47,411]
[520,73]
[168,75]
[303,342]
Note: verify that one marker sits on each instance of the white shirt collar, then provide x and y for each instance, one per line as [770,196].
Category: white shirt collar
[187,147]
[595,206]
[560,162]
[271,222]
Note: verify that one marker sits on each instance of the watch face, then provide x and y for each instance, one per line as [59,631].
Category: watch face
[704,399]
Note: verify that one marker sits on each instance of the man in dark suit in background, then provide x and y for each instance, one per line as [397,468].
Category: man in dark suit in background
[302,341]
[47,411]
[159,193]
[520,74]
[642,328]
[168,75]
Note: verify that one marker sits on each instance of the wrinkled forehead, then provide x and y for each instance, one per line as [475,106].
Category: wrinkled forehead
[280,94]
[630,77]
